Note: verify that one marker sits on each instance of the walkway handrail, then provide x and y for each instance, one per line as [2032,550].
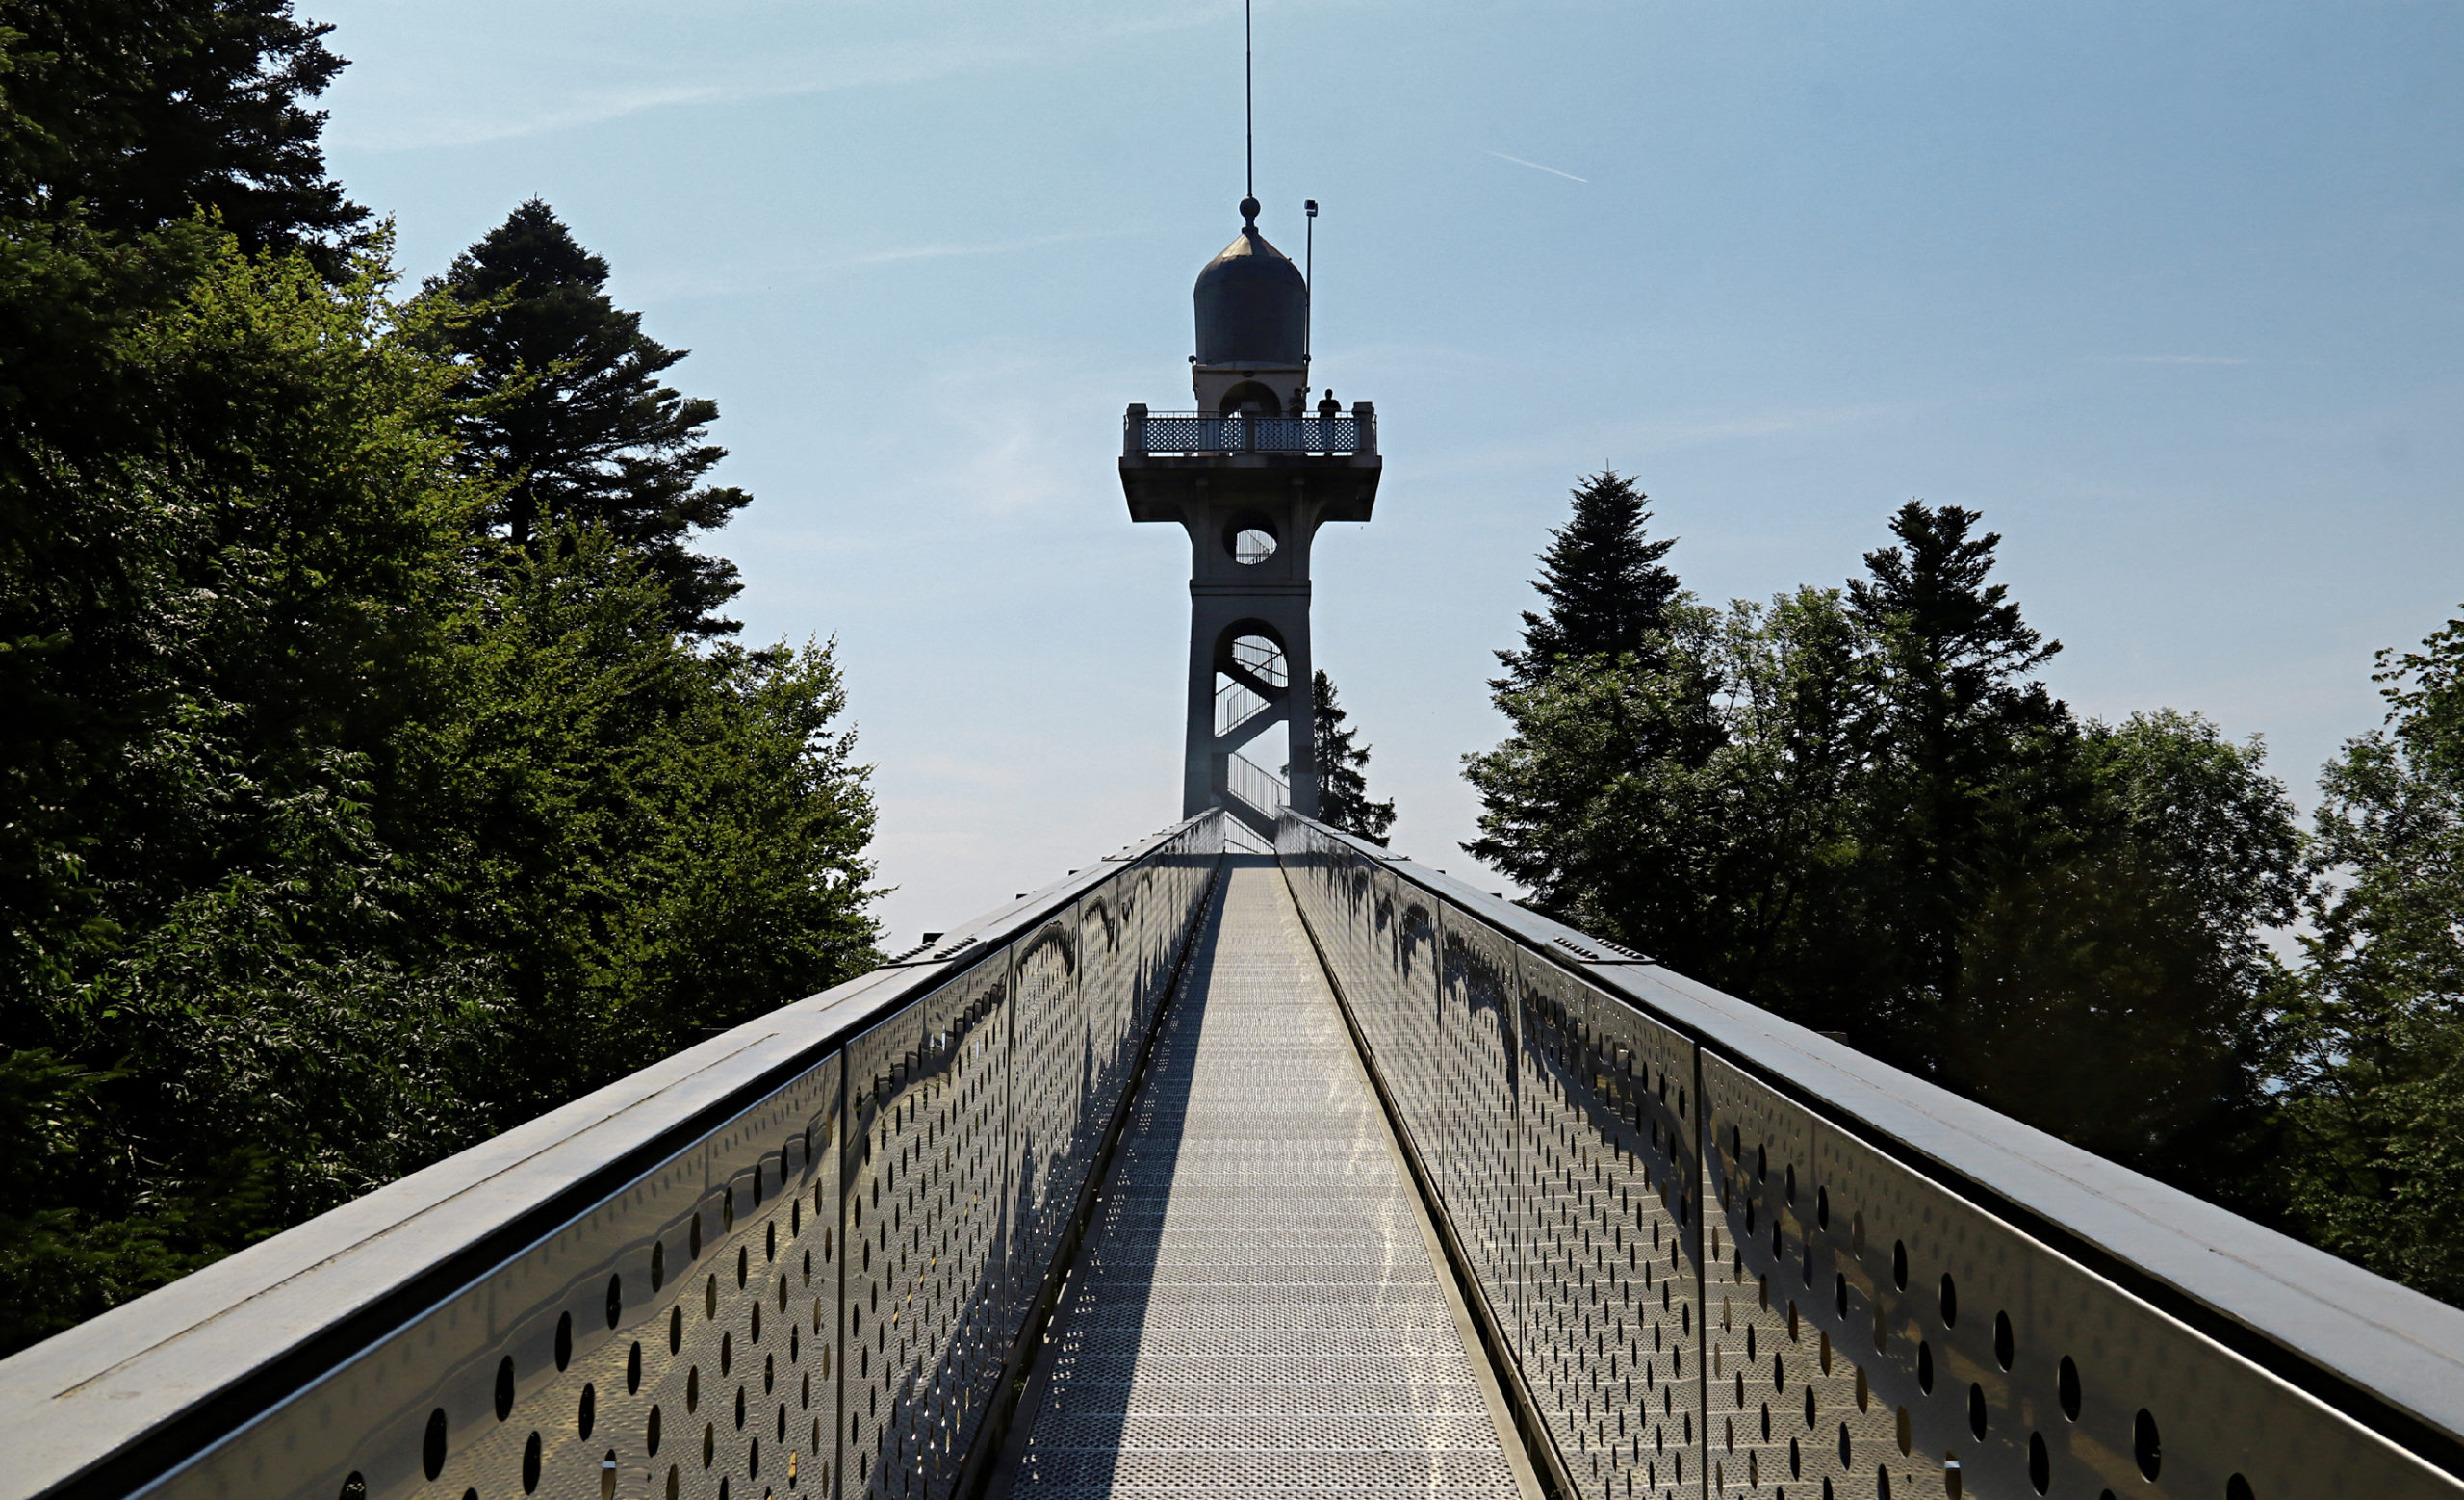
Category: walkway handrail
[886,1174]
[1718,1251]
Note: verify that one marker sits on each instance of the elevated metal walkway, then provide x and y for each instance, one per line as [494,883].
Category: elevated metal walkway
[1260,1306]
[1307,1172]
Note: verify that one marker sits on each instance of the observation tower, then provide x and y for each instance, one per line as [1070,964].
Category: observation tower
[1250,475]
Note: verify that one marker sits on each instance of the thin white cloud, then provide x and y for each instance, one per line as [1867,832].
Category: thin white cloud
[1010,436]
[1537,168]
[1674,432]
[2178,359]
[511,115]
[500,99]
[724,279]
[944,251]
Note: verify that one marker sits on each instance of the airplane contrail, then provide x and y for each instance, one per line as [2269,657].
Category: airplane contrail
[1537,168]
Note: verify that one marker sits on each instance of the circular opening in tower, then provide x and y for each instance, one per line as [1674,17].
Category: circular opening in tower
[1251,539]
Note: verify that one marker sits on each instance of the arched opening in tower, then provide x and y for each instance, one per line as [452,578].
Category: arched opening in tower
[1251,680]
[1253,397]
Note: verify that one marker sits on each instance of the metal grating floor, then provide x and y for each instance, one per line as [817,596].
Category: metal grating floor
[1256,1310]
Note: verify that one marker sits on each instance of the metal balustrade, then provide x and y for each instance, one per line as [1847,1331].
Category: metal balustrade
[800,1257]
[1145,434]
[1235,705]
[1716,1254]
[1258,788]
[1711,1253]
[1235,702]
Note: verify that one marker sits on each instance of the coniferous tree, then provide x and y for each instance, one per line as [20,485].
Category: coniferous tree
[1856,807]
[1343,791]
[1604,581]
[135,114]
[1675,799]
[575,416]
[1964,759]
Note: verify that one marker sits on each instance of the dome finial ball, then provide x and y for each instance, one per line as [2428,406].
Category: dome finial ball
[1249,212]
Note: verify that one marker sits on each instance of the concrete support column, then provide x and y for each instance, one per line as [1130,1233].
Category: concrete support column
[1258,588]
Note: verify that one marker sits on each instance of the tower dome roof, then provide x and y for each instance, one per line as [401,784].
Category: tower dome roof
[1252,304]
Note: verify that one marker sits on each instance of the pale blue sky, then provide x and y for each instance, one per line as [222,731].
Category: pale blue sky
[2170,293]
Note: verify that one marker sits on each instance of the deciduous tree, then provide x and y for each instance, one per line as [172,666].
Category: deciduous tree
[2373,1064]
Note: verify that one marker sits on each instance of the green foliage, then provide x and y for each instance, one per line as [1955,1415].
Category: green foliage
[335,832]
[1342,788]
[227,576]
[334,835]
[2373,1061]
[1960,775]
[687,829]
[576,418]
[1853,806]
[1691,792]
[1603,580]
[2118,994]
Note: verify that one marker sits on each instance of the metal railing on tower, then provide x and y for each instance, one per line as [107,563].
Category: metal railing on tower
[1261,788]
[1146,433]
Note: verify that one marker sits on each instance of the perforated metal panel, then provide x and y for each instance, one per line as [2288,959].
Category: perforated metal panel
[1710,1287]
[927,1183]
[1610,1342]
[816,1295]
[1256,1309]
[1412,1057]
[1049,1036]
[1105,984]
[1948,1333]
[651,1347]
[1479,1161]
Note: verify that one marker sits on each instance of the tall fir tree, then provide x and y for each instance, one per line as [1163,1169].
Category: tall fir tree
[131,114]
[1602,578]
[571,410]
[1963,757]
[1342,788]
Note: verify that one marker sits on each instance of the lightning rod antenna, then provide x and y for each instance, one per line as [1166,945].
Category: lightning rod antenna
[1309,283]
[1249,96]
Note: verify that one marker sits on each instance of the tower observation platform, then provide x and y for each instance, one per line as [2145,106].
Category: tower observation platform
[1256,1160]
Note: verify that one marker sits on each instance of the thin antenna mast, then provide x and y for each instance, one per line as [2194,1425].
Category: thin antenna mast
[1249,96]
[1309,284]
